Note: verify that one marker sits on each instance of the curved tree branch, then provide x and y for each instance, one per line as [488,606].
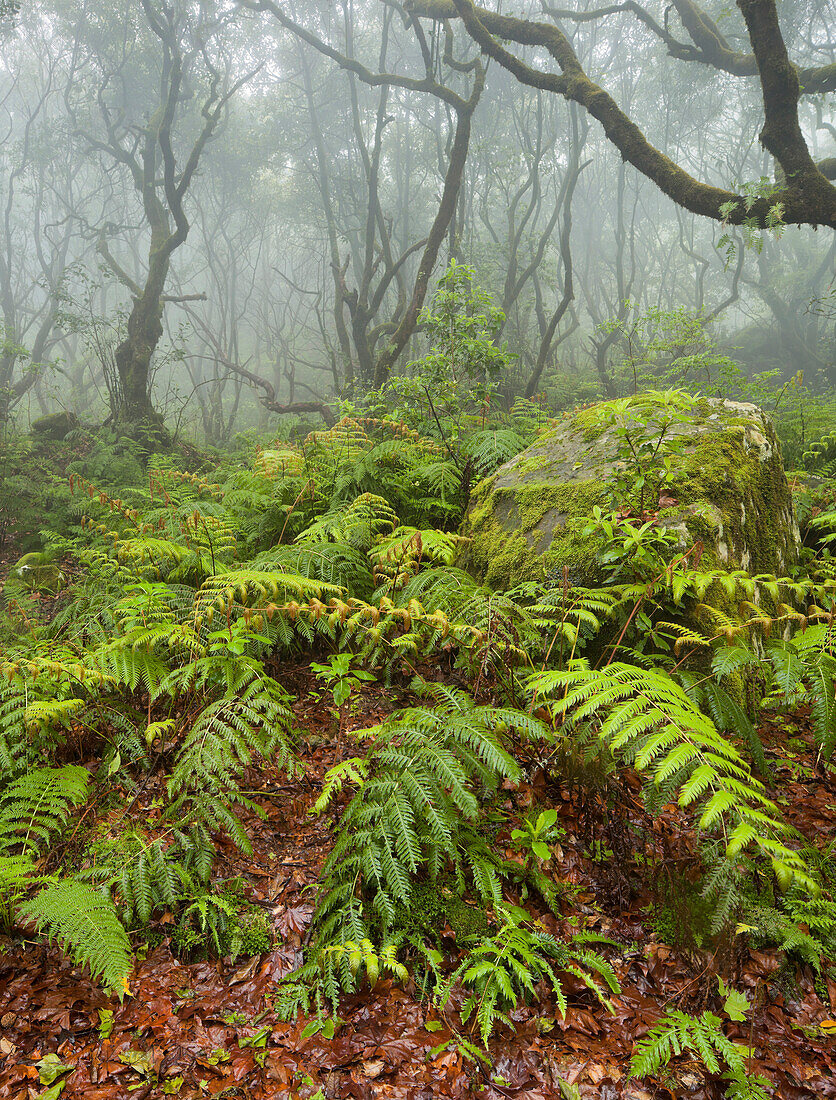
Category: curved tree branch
[808,198]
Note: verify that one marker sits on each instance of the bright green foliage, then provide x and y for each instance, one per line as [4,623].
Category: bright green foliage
[167,659]
[85,924]
[223,740]
[341,677]
[464,360]
[727,714]
[703,1037]
[146,875]
[503,971]
[493,447]
[414,813]
[642,427]
[534,836]
[37,804]
[645,717]
[804,670]
[33,809]
[373,963]
[407,550]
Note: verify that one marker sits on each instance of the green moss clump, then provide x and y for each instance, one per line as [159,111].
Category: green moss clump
[245,932]
[54,425]
[531,464]
[254,931]
[433,906]
[720,469]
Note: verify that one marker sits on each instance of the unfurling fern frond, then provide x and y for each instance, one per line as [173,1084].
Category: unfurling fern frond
[645,717]
[37,804]
[259,588]
[85,923]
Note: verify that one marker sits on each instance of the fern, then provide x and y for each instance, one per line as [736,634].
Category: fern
[414,813]
[645,717]
[249,587]
[85,923]
[804,671]
[37,804]
[357,523]
[145,875]
[727,715]
[493,447]
[678,1032]
[223,740]
[338,564]
[504,970]
[398,556]
[14,700]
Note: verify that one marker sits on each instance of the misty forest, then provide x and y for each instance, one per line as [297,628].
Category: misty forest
[417,549]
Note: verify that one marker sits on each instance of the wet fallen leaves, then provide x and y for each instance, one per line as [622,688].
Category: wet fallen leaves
[208,1029]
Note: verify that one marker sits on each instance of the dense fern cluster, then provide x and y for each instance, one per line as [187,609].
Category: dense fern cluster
[166,657]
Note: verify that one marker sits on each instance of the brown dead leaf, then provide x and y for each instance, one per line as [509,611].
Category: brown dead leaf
[373,1067]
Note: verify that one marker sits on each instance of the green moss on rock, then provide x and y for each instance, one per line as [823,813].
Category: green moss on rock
[730,491]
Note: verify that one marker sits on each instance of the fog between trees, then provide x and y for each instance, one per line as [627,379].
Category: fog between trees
[214,212]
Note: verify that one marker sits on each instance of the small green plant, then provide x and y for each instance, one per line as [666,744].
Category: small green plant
[535,837]
[630,550]
[464,360]
[703,1037]
[221,922]
[646,445]
[503,971]
[343,679]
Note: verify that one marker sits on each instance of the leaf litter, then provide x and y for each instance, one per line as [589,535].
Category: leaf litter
[210,1029]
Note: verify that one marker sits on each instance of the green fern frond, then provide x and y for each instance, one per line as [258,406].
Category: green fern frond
[37,804]
[645,716]
[414,812]
[85,923]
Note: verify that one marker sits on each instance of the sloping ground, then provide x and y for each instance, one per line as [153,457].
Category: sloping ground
[210,1028]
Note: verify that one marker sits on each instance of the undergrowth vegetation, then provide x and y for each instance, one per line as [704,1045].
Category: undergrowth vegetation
[174,602]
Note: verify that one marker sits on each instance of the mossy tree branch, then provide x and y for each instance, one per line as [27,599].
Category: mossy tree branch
[807,199]
[708,46]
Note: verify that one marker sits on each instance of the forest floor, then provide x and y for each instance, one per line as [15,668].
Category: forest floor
[209,1028]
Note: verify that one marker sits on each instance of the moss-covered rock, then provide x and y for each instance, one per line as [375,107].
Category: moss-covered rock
[728,485]
[54,425]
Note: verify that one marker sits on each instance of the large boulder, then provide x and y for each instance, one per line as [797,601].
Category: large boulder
[728,490]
